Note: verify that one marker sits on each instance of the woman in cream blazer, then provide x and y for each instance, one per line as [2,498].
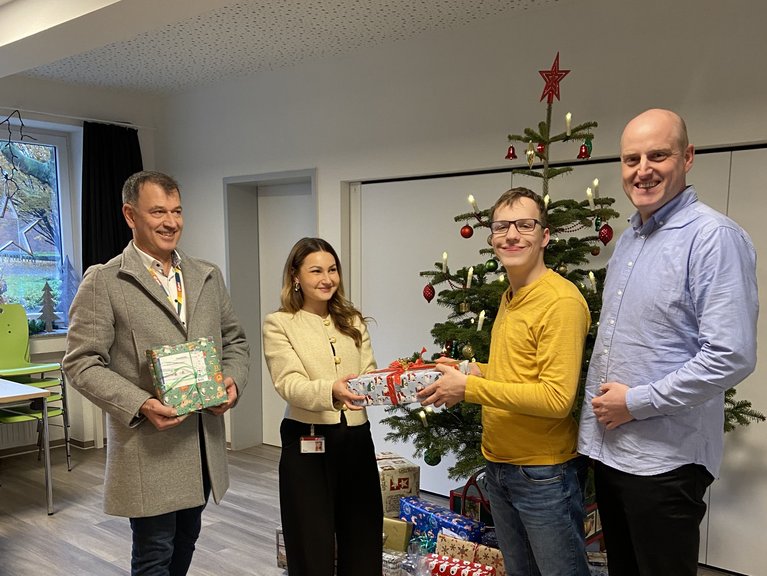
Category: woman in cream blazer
[330,498]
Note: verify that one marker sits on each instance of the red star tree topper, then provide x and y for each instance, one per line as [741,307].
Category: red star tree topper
[553,77]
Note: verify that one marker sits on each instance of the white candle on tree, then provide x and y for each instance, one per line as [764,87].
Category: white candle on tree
[473,203]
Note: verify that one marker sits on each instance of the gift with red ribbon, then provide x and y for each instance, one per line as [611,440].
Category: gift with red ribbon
[397,384]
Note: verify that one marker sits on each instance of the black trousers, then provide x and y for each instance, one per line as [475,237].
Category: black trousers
[331,499]
[651,524]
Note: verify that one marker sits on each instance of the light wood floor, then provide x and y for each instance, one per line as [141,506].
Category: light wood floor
[238,537]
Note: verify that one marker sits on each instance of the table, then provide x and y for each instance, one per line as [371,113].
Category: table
[13,393]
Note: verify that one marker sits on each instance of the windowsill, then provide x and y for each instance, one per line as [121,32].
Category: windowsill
[48,342]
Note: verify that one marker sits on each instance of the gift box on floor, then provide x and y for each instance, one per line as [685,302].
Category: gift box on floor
[471,551]
[392,561]
[188,376]
[397,534]
[399,477]
[442,564]
[282,559]
[592,525]
[473,506]
[430,519]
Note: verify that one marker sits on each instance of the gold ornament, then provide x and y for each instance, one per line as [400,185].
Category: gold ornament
[562,269]
[463,307]
[530,153]
[467,352]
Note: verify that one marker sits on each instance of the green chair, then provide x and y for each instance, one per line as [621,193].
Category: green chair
[15,365]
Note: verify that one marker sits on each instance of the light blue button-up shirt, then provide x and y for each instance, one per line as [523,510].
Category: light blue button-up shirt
[678,326]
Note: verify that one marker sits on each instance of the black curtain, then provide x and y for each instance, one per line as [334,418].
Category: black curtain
[110,154]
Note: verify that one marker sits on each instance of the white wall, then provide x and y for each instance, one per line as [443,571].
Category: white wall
[446,101]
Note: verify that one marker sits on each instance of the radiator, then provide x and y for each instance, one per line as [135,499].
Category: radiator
[21,434]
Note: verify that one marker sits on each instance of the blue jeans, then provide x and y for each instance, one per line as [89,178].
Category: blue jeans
[538,513]
[163,545]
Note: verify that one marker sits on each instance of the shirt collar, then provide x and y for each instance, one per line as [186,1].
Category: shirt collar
[154,263]
[663,214]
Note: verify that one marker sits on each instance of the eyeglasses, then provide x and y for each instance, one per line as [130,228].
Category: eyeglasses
[523,225]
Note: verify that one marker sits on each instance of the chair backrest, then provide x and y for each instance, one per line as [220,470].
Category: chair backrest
[14,336]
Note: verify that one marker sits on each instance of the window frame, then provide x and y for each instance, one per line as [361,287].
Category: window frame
[67,140]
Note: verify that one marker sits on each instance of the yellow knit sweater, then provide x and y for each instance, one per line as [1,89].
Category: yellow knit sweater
[529,384]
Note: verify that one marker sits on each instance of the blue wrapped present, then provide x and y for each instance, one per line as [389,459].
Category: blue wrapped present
[430,519]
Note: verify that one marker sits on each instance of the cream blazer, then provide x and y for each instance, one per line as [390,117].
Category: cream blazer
[305,355]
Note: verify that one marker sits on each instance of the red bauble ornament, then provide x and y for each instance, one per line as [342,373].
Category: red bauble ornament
[540,147]
[583,154]
[605,233]
[511,154]
[428,292]
[467,231]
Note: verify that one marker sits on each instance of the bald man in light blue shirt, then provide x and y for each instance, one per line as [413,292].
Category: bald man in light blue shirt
[677,329]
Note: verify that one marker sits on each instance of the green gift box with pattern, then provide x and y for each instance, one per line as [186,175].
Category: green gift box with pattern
[188,376]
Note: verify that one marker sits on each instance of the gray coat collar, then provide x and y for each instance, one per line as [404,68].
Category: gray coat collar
[195,273]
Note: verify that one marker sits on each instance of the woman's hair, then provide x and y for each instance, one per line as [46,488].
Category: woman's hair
[341,310]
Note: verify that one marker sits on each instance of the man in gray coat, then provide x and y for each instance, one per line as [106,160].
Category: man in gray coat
[160,467]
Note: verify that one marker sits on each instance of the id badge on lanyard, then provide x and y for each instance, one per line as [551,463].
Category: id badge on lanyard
[312,444]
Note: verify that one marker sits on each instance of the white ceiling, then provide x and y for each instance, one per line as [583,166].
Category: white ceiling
[173,45]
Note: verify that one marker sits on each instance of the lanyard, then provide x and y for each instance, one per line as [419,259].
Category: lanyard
[179,288]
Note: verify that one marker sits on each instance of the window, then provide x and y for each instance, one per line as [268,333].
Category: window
[36,264]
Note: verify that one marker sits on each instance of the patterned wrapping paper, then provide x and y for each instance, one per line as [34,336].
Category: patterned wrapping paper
[430,519]
[442,564]
[392,562]
[399,477]
[188,376]
[392,386]
[455,548]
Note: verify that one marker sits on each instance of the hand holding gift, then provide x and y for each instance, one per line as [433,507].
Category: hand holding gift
[345,396]
[448,390]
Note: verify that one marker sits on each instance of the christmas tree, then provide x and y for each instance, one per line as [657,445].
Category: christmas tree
[578,229]
[48,312]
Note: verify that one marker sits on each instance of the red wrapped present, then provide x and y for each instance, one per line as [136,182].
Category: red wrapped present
[441,564]
[471,551]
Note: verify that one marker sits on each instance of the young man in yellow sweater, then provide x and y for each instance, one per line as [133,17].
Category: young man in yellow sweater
[527,389]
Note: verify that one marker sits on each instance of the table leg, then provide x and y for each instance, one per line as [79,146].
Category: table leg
[47,456]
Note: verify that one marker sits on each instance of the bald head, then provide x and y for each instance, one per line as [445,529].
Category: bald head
[661,117]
